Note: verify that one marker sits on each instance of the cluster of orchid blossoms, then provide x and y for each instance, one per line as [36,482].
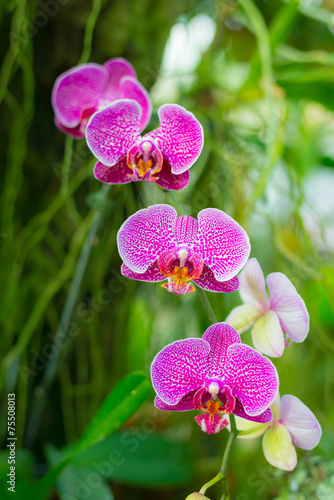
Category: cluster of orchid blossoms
[216,375]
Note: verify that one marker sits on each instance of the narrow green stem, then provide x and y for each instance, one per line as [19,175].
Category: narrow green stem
[206,304]
[233,434]
[221,476]
[210,483]
[66,166]
[40,394]
[88,37]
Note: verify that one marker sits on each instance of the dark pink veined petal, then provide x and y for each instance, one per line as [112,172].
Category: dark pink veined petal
[152,273]
[145,235]
[170,181]
[179,369]
[74,132]
[263,418]
[207,281]
[185,404]
[302,424]
[179,138]
[119,173]
[117,68]
[220,337]
[76,90]
[130,88]
[222,243]
[289,306]
[252,378]
[111,132]
[186,230]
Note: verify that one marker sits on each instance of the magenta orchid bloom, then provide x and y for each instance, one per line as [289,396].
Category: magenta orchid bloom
[84,89]
[155,244]
[163,156]
[277,320]
[293,423]
[216,375]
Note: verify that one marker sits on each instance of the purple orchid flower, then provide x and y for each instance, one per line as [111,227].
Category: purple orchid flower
[217,375]
[155,244]
[277,320]
[163,156]
[84,89]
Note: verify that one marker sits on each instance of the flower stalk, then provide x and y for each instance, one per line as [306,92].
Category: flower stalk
[221,476]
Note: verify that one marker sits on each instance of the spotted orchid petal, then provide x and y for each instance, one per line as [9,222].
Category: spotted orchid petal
[77,90]
[111,132]
[186,230]
[179,369]
[220,337]
[117,69]
[117,174]
[142,236]
[130,88]
[167,180]
[302,424]
[267,335]
[243,317]
[179,137]
[222,243]
[207,281]
[252,378]
[263,418]
[289,306]
[253,287]
[185,404]
[152,273]
[278,448]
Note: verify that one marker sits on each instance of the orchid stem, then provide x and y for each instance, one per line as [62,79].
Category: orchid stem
[207,306]
[89,31]
[221,476]
[231,438]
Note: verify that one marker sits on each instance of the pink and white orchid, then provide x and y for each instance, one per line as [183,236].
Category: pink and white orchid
[87,88]
[278,319]
[293,423]
[155,244]
[216,375]
[163,156]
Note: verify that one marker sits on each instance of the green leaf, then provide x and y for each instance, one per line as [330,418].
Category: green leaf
[138,458]
[119,405]
[124,399]
[76,483]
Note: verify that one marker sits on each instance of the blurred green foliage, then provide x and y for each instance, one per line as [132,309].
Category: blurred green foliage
[264,94]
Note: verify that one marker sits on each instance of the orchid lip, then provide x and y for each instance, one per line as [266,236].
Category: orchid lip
[180,267]
[145,160]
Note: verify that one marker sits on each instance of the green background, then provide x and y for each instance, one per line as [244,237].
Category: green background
[264,93]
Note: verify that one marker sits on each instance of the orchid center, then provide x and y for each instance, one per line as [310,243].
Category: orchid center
[180,267]
[145,161]
[213,406]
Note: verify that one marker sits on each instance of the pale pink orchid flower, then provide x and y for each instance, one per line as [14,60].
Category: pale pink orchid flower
[278,319]
[293,424]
